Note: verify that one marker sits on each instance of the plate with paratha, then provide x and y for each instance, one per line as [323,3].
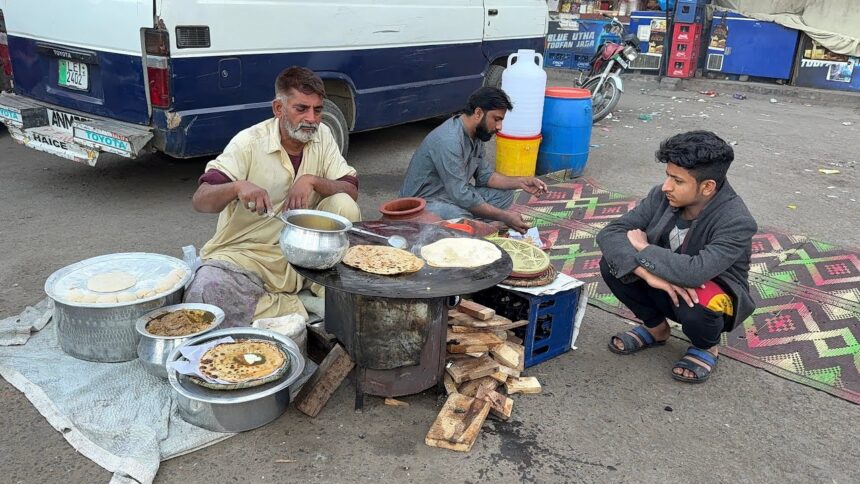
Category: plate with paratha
[383,260]
[243,363]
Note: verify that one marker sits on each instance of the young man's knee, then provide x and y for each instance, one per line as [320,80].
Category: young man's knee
[703,329]
[606,273]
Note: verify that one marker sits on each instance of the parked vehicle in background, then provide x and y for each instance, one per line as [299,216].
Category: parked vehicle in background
[183,76]
[5,64]
[607,65]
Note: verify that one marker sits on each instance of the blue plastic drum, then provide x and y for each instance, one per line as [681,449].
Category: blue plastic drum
[566,131]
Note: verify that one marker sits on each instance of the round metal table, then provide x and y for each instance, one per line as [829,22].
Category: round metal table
[395,327]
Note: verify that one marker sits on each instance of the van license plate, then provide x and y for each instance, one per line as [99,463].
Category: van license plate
[74,75]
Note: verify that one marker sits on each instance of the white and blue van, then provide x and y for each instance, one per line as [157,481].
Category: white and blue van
[184,76]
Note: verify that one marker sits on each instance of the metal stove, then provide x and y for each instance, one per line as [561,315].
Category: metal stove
[395,327]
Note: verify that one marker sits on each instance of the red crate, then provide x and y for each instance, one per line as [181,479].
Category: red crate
[682,69]
[684,51]
[687,32]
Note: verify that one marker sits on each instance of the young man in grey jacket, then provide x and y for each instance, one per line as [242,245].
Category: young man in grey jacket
[683,254]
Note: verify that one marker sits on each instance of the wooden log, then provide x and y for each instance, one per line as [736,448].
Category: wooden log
[393,402]
[497,323]
[499,377]
[505,370]
[465,369]
[472,342]
[450,386]
[513,338]
[526,384]
[470,388]
[331,372]
[500,405]
[477,355]
[458,424]
[509,354]
[476,310]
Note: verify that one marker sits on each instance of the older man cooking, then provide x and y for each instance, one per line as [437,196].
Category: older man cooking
[290,161]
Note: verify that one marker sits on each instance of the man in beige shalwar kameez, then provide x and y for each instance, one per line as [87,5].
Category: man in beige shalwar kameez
[288,162]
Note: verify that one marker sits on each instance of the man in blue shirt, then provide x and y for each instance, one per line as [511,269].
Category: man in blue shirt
[445,163]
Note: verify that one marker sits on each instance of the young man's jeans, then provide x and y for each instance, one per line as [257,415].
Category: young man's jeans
[652,306]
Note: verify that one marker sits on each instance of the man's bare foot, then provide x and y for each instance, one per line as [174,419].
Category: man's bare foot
[689,374]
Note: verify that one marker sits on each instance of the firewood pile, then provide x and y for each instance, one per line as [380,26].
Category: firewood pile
[483,370]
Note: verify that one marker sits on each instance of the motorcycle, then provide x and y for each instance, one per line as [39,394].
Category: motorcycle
[606,66]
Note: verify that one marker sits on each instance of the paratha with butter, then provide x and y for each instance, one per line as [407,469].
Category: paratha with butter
[381,259]
[460,252]
[242,361]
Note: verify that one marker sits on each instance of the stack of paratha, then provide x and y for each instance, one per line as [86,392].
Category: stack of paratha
[379,259]
[250,362]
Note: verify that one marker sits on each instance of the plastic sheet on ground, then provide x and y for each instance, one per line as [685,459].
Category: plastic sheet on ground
[115,414]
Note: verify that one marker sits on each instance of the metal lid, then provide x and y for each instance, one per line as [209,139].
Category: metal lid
[184,386]
[149,278]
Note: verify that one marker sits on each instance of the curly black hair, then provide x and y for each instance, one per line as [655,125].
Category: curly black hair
[703,153]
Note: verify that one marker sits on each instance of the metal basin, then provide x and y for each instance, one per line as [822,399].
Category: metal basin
[235,410]
[314,239]
[104,332]
[153,350]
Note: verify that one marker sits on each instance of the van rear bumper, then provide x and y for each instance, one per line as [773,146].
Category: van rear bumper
[70,134]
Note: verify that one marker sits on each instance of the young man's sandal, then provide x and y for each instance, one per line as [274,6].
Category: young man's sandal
[702,373]
[636,339]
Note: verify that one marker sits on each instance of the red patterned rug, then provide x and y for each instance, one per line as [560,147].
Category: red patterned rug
[807,324]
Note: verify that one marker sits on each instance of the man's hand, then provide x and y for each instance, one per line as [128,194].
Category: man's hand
[253,197]
[300,193]
[638,239]
[687,294]
[533,186]
[516,222]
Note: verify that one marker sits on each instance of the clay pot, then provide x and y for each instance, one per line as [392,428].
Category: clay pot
[409,209]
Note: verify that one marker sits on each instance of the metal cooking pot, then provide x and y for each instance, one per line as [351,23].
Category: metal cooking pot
[235,410]
[104,332]
[314,239]
[153,350]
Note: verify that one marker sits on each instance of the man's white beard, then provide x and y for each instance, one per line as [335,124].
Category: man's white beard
[300,134]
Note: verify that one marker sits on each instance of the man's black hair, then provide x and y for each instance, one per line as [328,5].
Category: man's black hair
[704,154]
[488,99]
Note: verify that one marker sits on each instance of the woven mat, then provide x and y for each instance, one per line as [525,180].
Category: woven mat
[807,324]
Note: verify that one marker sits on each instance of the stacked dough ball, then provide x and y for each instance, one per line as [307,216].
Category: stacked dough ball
[114,287]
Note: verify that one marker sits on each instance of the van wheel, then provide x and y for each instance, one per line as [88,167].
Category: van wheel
[333,118]
[494,76]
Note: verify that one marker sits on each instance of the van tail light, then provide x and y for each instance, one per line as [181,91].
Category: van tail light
[157,47]
[5,58]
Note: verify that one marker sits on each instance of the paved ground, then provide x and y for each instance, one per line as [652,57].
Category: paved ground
[600,418]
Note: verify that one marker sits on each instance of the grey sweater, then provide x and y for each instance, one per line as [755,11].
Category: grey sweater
[717,247]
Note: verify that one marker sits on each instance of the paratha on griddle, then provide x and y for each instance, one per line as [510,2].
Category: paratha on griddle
[381,259]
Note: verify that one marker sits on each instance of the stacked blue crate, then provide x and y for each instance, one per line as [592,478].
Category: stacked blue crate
[551,319]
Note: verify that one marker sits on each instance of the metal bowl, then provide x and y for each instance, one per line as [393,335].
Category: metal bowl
[314,239]
[153,350]
[235,410]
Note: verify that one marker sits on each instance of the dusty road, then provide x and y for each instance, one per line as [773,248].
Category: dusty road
[600,418]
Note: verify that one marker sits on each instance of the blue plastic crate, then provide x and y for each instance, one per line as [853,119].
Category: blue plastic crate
[551,319]
[690,11]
